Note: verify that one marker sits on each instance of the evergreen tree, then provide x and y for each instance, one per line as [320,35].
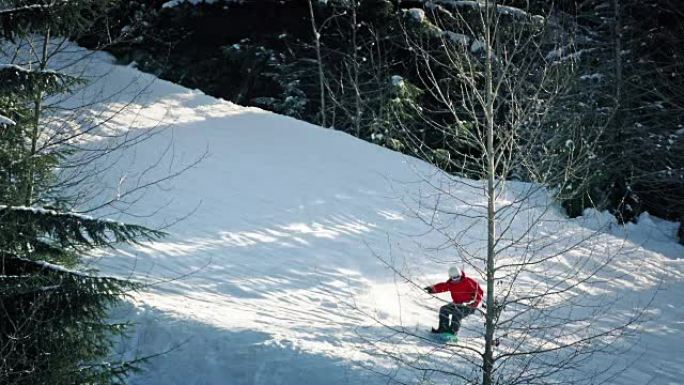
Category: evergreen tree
[53,318]
[629,75]
[54,327]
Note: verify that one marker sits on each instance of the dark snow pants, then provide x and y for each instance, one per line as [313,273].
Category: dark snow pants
[457,313]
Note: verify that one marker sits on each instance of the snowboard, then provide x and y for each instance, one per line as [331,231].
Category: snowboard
[444,337]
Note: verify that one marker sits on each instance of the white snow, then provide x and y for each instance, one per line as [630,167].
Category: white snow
[566,53]
[457,38]
[397,81]
[501,9]
[6,121]
[417,14]
[175,3]
[16,67]
[52,266]
[555,54]
[277,269]
[43,210]
[20,68]
[477,46]
[593,77]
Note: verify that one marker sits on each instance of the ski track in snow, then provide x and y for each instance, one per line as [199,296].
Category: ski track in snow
[273,272]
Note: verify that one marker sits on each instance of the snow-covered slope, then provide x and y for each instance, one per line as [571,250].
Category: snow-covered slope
[282,233]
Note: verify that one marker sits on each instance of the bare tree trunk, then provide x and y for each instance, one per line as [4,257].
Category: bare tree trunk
[618,53]
[37,111]
[355,74]
[319,61]
[617,56]
[488,356]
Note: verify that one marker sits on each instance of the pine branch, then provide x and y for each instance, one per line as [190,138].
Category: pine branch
[17,79]
[41,226]
[31,8]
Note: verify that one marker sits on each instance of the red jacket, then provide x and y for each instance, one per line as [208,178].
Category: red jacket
[462,291]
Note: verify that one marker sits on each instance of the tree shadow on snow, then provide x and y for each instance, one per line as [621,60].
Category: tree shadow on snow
[201,354]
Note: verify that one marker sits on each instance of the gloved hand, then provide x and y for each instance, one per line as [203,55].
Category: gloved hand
[429,289]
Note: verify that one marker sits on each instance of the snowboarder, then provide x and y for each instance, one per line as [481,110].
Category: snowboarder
[466,294]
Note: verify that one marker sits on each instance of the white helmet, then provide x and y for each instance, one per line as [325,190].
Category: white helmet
[455,272]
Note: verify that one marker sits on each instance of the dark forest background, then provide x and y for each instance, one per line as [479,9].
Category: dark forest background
[627,58]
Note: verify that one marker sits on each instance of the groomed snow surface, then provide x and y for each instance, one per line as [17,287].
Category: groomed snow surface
[289,244]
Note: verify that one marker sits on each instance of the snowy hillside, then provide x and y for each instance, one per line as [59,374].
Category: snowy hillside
[282,234]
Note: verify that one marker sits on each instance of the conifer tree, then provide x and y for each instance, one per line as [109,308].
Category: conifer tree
[53,318]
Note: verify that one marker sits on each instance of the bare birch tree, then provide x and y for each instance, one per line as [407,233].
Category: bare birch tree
[319,62]
[495,77]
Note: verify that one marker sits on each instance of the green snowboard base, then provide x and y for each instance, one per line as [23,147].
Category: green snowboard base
[445,337]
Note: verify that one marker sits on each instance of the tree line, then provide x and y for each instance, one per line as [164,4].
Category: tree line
[337,63]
